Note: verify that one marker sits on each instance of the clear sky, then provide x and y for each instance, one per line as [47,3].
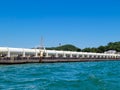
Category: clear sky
[83,23]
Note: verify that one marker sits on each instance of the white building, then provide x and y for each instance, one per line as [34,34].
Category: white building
[111,52]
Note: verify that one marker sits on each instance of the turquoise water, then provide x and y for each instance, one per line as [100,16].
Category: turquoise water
[61,76]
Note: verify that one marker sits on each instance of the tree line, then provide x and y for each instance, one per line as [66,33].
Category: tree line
[100,49]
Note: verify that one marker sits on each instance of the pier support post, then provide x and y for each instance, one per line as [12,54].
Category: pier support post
[8,54]
[23,53]
[64,55]
[88,56]
[83,56]
[92,56]
[100,57]
[47,54]
[36,54]
[56,55]
[71,55]
[77,56]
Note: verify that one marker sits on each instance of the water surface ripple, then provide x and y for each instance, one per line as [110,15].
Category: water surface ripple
[61,76]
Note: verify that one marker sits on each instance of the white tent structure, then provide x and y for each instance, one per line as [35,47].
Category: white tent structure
[23,52]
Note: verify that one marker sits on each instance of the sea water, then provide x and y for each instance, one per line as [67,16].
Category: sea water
[61,76]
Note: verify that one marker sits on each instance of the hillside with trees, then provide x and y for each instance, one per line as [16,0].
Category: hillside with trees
[100,49]
[67,47]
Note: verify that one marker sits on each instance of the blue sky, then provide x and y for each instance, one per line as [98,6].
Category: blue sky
[83,23]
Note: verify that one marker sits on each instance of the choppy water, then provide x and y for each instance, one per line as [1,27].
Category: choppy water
[61,76]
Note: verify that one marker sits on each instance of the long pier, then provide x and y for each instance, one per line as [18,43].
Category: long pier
[23,55]
[51,60]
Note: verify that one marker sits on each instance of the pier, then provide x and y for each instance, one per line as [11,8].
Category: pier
[23,55]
